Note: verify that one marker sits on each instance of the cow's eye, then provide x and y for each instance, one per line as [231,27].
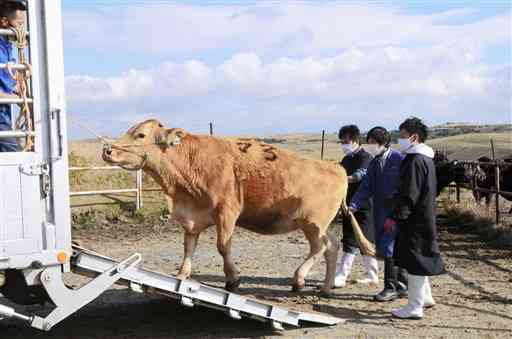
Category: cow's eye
[141,135]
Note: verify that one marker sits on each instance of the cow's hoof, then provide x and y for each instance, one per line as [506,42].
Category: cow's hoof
[233,286]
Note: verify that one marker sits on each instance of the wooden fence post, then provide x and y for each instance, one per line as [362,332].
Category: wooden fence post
[497,184]
[138,197]
[493,154]
[496,181]
[323,145]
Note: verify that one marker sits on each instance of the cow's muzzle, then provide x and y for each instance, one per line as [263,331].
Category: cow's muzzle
[107,153]
[108,156]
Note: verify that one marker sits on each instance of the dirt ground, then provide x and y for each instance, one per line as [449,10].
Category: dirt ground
[474,300]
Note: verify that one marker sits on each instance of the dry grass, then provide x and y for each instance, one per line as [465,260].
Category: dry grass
[88,150]
[469,217]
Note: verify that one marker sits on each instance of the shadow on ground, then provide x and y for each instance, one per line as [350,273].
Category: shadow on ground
[121,314]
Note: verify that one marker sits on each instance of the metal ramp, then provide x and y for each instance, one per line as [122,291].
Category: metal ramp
[191,293]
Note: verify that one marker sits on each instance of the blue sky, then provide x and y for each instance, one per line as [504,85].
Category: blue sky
[268,67]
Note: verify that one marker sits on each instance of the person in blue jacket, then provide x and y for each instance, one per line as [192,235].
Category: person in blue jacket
[382,182]
[12,14]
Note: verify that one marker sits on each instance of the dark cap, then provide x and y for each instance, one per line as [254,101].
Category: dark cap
[21,3]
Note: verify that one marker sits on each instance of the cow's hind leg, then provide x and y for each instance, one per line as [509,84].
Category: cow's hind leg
[225,229]
[318,246]
[190,244]
[331,254]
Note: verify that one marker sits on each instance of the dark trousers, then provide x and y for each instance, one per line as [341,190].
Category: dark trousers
[8,144]
[349,241]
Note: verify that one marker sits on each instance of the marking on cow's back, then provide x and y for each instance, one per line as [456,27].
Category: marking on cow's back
[243,146]
[269,151]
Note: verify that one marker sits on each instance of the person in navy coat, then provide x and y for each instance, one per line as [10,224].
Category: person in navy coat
[355,162]
[381,183]
[414,218]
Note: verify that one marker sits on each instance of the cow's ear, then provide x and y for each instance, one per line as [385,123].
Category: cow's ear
[174,138]
[170,137]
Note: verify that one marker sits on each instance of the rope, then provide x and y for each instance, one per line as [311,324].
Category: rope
[24,119]
[77,122]
[109,143]
[106,141]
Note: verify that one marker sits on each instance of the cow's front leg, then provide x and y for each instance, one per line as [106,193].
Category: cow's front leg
[225,229]
[190,244]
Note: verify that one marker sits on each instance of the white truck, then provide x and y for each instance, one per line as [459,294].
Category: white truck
[35,227]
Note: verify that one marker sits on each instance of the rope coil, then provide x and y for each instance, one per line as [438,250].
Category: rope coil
[24,120]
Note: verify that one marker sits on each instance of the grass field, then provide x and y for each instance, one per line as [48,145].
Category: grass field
[471,146]
[461,147]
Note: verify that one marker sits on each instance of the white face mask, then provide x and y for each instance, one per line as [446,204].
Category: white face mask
[405,144]
[374,149]
[349,148]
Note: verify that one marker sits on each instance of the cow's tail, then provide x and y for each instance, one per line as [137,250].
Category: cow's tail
[366,246]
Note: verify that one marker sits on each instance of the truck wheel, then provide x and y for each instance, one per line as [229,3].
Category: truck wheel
[17,290]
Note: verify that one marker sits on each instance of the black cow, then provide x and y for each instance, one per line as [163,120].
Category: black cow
[449,171]
[486,178]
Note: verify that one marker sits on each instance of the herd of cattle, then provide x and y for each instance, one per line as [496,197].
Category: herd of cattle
[230,183]
[479,175]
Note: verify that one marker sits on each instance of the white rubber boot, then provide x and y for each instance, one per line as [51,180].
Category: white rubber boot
[414,307]
[343,269]
[371,266]
[429,300]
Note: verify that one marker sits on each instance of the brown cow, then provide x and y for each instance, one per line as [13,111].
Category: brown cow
[229,182]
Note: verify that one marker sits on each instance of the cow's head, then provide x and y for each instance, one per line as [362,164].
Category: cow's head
[461,173]
[483,177]
[450,171]
[141,144]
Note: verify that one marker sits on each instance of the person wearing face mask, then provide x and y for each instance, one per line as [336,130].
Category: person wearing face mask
[381,184]
[12,14]
[414,216]
[355,162]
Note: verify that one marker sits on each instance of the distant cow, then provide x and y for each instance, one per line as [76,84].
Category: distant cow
[449,171]
[216,181]
[485,177]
